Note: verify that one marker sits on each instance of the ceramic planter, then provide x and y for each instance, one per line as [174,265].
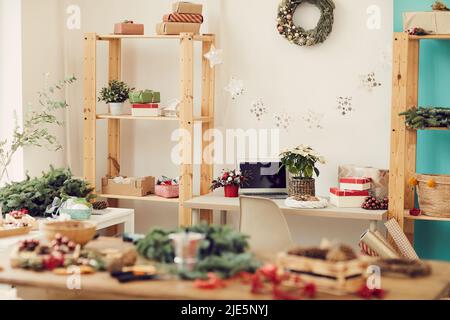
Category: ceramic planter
[116,108]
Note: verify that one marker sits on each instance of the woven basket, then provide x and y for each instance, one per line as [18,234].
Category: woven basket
[301,187]
[434,201]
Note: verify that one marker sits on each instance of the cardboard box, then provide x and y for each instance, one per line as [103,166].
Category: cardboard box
[129,29]
[347,198]
[187,7]
[435,22]
[137,187]
[175,28]
[353,183]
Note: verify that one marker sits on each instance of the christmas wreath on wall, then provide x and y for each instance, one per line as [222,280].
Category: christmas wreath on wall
[298,35]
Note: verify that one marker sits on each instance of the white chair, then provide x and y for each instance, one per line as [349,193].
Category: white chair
[266,225]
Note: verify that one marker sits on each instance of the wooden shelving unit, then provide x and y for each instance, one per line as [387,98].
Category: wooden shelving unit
[186,119]
[403,140]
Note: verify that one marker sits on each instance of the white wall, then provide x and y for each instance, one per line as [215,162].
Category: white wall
[42,36]
[289,78]
[10,77]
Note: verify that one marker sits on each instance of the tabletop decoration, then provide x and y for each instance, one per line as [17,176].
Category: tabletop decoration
[306,202]
[230,180]
[301,163]
[296,34]
[224,251]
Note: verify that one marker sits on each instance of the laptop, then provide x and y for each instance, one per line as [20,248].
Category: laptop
[264,179]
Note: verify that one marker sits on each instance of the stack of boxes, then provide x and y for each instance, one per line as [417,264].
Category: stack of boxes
[352,192]
[186,17]
[145,103]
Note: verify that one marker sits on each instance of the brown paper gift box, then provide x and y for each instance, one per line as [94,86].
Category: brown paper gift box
[187,7]
[138,187]
[435,22]
[380,178]
[129,29]
[174,28]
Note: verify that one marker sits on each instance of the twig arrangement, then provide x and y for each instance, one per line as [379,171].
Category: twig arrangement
[427,117]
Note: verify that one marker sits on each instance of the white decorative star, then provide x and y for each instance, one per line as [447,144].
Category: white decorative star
[214,56]
[235,87]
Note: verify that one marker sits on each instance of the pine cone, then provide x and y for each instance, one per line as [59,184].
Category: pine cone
[100,205]
[439,6]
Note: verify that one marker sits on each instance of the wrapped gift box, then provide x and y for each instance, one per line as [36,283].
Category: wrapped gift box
[144,96]
[145,110]
[379,177]
[175,28]
[129,28]
[347,198]
[437,22]
[187,7]
[123,186]
[353,183]
[183,17]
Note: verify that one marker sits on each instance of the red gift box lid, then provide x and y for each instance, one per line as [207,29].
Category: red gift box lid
[145,106]
[355,180]
[349,193]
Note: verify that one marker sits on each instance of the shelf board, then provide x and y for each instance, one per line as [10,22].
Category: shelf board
[197,37]
[424,217]
[431,37]
[130,117]
[151,198]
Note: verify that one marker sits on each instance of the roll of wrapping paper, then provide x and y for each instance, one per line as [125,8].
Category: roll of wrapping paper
[400,239]
[378,245]
[183,17]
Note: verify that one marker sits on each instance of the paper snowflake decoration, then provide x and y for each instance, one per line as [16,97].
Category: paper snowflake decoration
[235,87]
[214,56]
[369,81]
[258,109]
[345,105]
[282,120]
[313,120]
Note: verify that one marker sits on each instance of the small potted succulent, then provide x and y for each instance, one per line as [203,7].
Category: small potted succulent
[301,163]
[115,95]
[230,180]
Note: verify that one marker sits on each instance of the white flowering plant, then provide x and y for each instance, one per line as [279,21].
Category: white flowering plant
[301,161]
[227,178]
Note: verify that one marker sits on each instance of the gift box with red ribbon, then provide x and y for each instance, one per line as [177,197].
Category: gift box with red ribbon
[348,198]
[145,110]
[353,183]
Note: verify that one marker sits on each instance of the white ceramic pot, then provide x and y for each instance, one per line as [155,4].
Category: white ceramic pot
[116,108]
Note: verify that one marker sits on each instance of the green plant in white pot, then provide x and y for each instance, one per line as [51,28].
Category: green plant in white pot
[115,95]
[301,163]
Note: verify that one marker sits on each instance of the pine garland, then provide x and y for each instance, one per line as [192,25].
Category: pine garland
[298,35]
[427,118]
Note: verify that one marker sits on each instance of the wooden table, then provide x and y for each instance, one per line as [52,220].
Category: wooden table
[216,201]
[46,285]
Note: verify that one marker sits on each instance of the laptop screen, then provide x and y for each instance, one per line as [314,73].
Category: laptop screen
[264,175]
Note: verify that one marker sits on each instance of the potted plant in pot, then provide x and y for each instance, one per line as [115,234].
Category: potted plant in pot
[301,163]
[230,180]
[115,95]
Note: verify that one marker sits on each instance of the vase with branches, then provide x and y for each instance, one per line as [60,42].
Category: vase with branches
[34,131]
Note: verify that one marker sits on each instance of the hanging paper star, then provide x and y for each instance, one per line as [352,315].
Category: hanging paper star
[235,88]
[214,56]
[313,120]
[258,108]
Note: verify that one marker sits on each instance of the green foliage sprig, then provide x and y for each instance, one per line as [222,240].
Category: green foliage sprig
[116,92]
[35,194]
[34,131]
[223,251]
[427,117]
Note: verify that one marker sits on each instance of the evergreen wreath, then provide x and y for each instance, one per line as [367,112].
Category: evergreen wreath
[298,35]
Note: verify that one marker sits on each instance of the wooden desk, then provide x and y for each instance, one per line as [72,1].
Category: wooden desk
[216,201]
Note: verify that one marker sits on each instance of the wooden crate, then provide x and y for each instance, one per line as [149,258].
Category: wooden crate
[332,277]
[138,187]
